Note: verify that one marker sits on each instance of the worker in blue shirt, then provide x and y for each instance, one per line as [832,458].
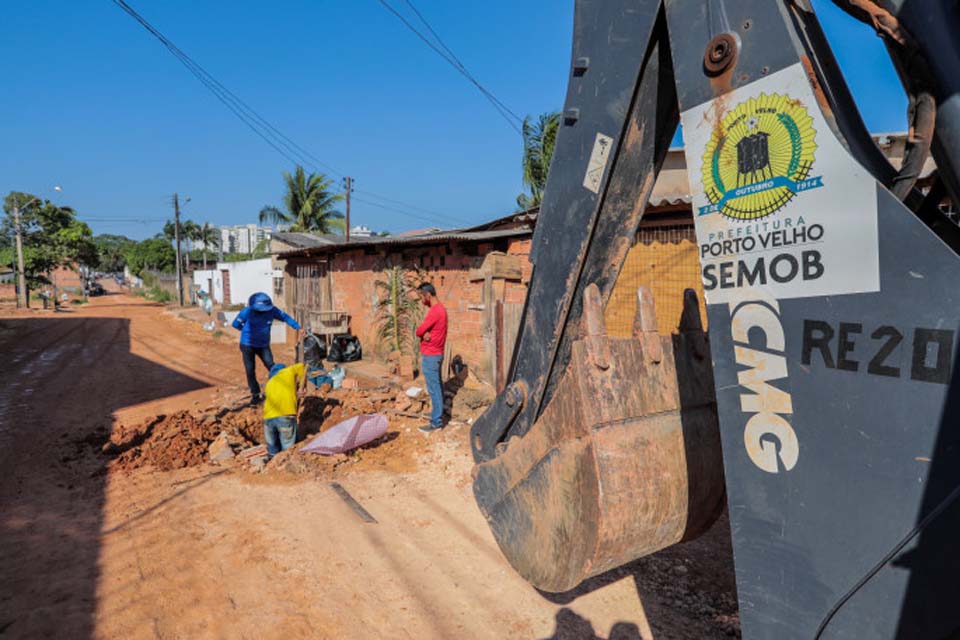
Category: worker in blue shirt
[254,322]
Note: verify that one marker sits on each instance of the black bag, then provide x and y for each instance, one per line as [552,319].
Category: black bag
[345,348]
[314,351]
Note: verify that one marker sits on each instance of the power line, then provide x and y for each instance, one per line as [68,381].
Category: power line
[459,63]
[431,220]
[431,212]
[270,134]
[504,112]
[246,114]
[121,220]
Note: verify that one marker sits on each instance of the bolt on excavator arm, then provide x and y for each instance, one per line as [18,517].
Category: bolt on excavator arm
[825,405]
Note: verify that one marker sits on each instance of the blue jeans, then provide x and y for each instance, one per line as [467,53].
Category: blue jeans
[250,355]
[431,375]
[280,433]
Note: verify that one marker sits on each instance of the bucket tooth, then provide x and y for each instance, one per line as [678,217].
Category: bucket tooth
[595,327]
[645,325]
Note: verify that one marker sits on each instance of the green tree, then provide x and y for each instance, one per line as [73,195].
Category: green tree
[110,251]
[539,140]
[52,236]
[153,254]
[398,310]
[309,204]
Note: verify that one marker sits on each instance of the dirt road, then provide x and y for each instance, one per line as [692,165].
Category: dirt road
[209,552]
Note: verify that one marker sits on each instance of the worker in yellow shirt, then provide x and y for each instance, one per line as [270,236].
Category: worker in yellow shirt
[284,388]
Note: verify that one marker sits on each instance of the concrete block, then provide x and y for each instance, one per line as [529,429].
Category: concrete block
[220,450]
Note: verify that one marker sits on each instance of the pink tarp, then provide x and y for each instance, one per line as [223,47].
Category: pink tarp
[349,434]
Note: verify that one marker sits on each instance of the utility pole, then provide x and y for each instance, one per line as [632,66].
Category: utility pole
[176,233]
[349,184]
[22,299]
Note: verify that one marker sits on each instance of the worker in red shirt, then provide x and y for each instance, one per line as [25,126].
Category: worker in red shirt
[433,337]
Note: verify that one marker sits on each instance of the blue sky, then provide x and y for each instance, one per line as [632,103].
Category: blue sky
[95,104]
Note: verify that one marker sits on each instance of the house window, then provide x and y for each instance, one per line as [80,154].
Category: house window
[278,287]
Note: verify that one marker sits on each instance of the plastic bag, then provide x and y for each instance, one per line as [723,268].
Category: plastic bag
[314,351]
[345,348]
[349,434]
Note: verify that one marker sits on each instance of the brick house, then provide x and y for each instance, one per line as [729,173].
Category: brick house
[481,276]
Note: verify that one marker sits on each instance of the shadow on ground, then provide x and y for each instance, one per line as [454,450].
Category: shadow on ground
[689,588]
[66,376]
[572,626]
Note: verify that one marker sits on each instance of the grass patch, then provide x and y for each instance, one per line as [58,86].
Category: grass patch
[157,294]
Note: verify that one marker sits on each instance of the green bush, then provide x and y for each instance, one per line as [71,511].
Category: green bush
[157,294]
[149,280]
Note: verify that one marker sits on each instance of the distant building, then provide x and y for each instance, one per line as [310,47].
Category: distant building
[360,231]
[243,238]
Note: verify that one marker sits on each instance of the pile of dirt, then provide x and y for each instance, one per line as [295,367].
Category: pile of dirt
[340,404]
[181,439]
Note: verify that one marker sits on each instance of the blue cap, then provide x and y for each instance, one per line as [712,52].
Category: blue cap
[260,302]
[276,368]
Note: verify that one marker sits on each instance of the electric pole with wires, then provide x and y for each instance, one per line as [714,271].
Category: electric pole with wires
[348,187]
[176,235]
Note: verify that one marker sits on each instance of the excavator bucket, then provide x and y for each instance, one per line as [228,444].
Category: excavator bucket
[624,461]
[830,377]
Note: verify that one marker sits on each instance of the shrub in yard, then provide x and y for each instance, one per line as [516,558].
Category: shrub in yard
[398,308]
[157,294]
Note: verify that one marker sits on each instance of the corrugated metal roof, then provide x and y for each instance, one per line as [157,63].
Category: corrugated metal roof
[307,240]
[430,238]
[670,200]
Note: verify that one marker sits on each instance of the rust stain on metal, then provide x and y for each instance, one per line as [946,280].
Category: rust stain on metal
[623,461]
[884,22]
[815,85]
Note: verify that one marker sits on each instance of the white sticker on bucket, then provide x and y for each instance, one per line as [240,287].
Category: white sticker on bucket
[778,203]
[598,162]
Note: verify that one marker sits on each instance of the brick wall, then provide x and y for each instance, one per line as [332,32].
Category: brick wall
[225,278]
[67,279]
[448,267]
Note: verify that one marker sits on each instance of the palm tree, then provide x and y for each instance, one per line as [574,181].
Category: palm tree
[309,204]
[398,311]
[539,140]
[209,237]
[189,230]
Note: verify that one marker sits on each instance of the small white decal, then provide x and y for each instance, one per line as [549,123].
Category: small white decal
[598,162]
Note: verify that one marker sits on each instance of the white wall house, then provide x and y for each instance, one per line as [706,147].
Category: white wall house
[211,281]
[232,283]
